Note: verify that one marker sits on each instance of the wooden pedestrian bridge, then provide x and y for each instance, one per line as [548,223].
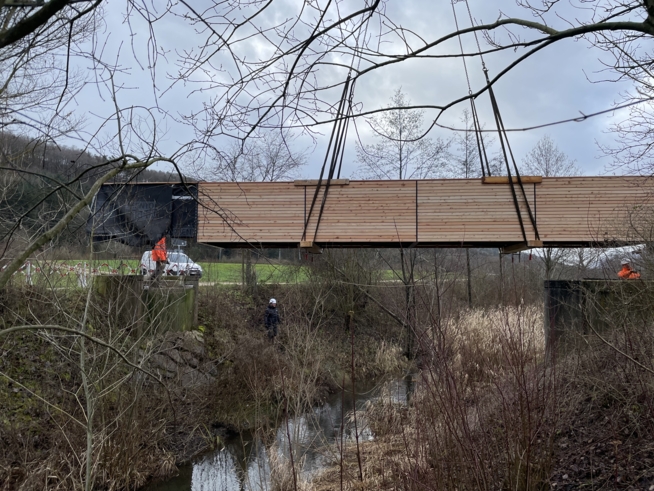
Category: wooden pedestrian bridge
[488,212]
[603,211]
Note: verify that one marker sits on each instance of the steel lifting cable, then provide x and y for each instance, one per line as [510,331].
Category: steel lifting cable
[483,157]
[336,140]
[347,125]
[502,132]
[339,133]
[506,161]
[339,150]
[480,140]
[504,141]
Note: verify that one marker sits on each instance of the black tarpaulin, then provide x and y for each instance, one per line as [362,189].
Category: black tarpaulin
[140,214]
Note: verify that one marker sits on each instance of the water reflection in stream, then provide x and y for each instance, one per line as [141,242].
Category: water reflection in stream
[243,464]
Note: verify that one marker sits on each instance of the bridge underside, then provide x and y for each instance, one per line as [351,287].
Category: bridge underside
[567,212]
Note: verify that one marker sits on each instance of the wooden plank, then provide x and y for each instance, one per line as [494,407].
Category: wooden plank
[314,182]
[505,179]
[568,210]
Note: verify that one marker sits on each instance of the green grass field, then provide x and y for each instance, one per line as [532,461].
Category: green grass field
[66,271]
[231,272]
[266,273]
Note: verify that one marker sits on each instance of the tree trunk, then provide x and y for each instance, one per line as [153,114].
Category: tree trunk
[243,269]
[501,281]
[408,278]
[437,337]
[469,278]
[248,273]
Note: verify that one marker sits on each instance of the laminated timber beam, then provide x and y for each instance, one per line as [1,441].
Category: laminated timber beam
[522,246]
[602,211]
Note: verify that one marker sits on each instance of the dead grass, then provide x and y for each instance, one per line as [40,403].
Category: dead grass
[479,407]
[489,414]
[481,342]
[282,472]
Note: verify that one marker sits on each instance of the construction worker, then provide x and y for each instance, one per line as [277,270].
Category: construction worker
[627,273]
[160,257]
[271,319]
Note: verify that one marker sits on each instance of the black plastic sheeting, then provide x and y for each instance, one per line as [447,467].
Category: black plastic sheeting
[141,214]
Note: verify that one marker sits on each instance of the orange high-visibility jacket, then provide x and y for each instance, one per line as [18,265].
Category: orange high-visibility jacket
[159,251]
[626,273]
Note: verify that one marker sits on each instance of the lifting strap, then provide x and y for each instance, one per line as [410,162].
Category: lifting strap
[501,131]
[337,139]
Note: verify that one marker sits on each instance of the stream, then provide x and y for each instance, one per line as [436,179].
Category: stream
[244,462]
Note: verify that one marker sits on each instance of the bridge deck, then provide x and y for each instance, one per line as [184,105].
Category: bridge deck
[571,211]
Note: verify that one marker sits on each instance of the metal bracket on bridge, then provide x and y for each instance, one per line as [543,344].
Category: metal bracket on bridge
[310,247]
[522,246]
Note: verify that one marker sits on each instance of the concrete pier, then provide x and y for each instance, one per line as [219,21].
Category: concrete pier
[167,303]
[576,308]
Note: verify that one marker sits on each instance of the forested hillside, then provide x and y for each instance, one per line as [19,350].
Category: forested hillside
[40,181]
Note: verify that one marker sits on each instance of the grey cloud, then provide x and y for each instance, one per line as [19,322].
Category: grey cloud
[550,86]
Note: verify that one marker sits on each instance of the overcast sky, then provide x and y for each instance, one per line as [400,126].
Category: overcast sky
[552,85]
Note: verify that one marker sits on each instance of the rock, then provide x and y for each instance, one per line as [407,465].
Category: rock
[193,342]
[190,360]
[174,355]
[182,357]
[165,363]
[190,378]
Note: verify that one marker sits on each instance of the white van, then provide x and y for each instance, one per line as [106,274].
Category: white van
[178,263]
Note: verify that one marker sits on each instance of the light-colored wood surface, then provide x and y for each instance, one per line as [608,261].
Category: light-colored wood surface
[314,182]
[505,179]
[441,212]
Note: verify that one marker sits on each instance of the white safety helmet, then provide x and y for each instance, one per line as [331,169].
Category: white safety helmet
[272,300]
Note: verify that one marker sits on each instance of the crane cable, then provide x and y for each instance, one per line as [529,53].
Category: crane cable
[339,149]
[338,136]
[337,139]
[483,157]
[503,137]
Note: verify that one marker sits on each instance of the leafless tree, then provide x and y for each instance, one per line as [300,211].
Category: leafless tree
[632,150]
[294,86]
[401,152]
[465,160]
[265,66]
[270,157]
[547,160]
[38,82]
[98,344]
[36,48]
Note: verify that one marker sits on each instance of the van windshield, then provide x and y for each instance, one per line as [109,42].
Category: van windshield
[178,257]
